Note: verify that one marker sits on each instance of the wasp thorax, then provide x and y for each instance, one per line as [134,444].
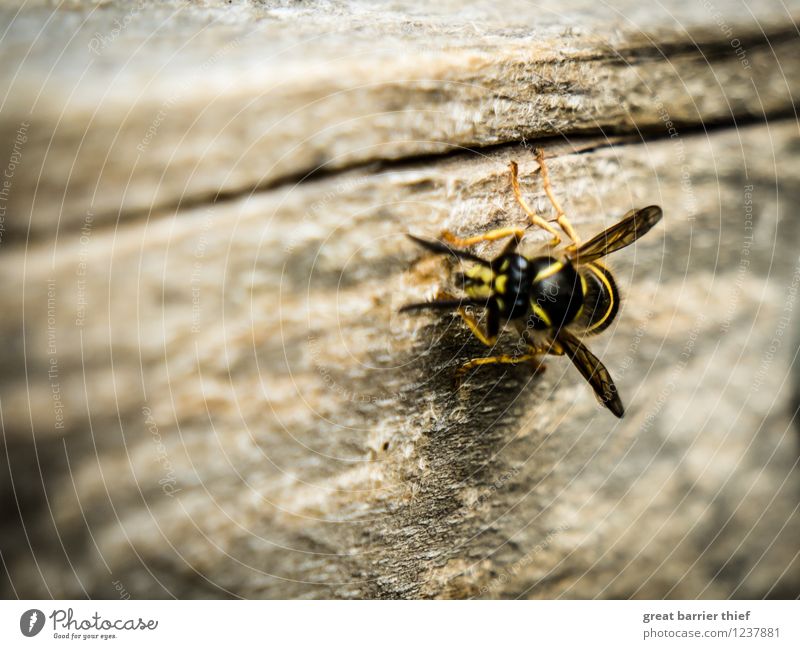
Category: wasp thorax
[556,293]
[511,286]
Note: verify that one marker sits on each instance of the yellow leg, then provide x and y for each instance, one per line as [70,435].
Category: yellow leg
[554,349]
[561,217]
[534,354]
[534,218]
[501,359]
[475,328]
[471,322]
[492,235]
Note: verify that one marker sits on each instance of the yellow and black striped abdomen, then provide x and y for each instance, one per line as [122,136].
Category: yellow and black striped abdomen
[601,298]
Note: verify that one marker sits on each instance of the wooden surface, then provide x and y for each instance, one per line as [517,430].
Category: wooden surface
[182,105]
[217,398]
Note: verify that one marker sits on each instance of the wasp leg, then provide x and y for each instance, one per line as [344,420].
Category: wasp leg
[554,349]
[534,218]
[551,347]
[486,338]
[501,359]
[489,338]
[561,217]
[491,235]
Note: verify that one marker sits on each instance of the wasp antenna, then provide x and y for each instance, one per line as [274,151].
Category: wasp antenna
[441,248]
[441,305]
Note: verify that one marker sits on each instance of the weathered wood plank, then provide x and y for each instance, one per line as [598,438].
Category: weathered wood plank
[227,99]
[246,414]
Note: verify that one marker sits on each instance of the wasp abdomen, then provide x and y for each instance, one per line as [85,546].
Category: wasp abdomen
[601,299]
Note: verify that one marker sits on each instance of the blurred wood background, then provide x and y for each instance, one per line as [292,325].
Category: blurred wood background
[207,390]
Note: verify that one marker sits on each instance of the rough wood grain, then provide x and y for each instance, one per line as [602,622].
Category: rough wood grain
[263,424]
[205,398]
[132,115]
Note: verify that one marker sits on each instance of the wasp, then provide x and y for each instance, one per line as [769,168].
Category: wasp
[552,300]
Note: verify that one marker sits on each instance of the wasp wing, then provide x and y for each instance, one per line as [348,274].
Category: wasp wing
[632,226]
[593,371]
